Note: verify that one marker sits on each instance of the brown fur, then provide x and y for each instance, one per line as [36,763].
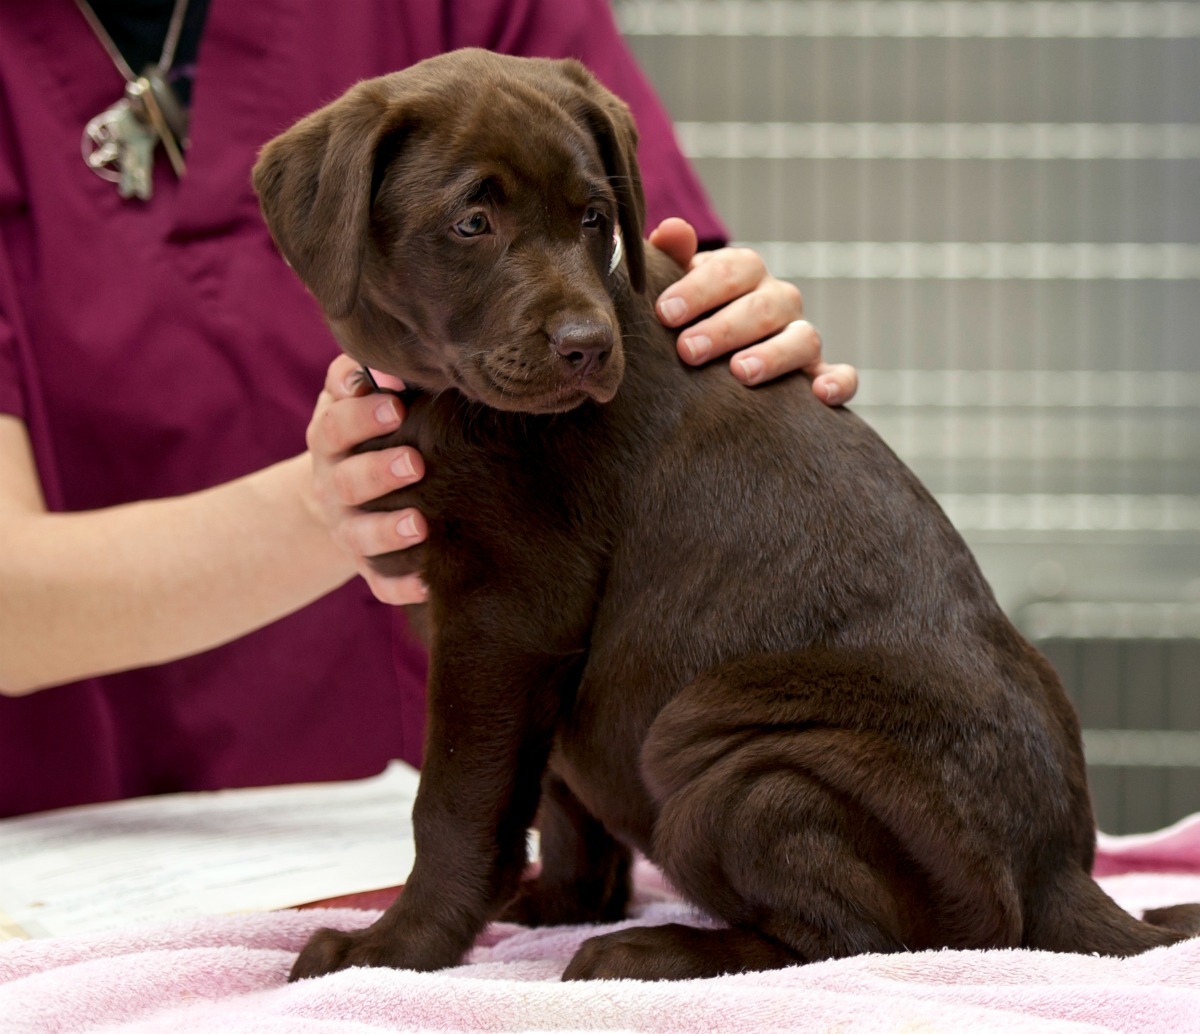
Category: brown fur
[726,628]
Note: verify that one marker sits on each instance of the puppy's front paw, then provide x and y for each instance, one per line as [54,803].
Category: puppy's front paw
[329,951]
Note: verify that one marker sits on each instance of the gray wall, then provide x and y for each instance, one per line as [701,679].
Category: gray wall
[993,209]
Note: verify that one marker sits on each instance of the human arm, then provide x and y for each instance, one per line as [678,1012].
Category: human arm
[105,590]
[127,586]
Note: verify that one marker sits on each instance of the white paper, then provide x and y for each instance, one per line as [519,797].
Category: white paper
[102,866]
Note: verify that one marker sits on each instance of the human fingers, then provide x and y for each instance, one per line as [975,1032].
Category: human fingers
[398,590]
[726,274]
[339,424]
[797,347]
[374,534]
[367,535]
[677,238]
[362,477]
[344,378]
[767,308]
[835,383]
[341,481]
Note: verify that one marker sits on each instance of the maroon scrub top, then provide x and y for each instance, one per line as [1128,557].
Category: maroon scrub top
[158,348]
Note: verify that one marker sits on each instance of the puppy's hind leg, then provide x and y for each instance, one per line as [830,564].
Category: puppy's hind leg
[585,871]
[772,857]
[818,840]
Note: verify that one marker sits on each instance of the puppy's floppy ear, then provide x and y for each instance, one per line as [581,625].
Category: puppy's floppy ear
[316,183]
[612,126]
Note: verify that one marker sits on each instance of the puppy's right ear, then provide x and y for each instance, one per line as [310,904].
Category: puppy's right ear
[316,184]
[612,127]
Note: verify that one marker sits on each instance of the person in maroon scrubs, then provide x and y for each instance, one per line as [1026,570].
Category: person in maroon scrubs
[170,561]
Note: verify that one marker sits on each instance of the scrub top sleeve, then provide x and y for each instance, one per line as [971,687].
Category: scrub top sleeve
[12,393]
[12,399]
[585,29]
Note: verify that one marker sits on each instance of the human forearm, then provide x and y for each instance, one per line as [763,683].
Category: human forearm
[107,590]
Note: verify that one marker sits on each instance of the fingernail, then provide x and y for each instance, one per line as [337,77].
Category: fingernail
[831,393]
[407,526]
[386,413]
[673,310]
[751,367]
[402,466]
[698,347]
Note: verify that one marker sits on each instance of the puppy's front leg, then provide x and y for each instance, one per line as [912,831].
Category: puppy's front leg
[491,720]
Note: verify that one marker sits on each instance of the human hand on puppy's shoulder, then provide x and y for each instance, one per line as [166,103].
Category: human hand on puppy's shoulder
[748,312]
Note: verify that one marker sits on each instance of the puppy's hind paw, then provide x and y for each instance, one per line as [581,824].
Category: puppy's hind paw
[643,953]
[675,952]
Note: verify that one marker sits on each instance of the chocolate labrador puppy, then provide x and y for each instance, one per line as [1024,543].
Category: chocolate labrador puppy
[726,628]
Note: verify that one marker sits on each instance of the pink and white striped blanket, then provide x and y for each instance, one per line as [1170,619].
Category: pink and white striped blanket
[227,974]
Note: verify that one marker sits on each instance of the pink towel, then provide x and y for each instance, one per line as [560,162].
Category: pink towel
[227,974]
[1174,849]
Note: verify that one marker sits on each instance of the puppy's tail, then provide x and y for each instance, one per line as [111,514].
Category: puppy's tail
[1183,919]
[1075,915]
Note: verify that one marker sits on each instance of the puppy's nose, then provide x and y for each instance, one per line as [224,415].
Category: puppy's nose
[584,346]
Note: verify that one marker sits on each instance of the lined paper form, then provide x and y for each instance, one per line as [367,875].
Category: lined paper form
[102,866]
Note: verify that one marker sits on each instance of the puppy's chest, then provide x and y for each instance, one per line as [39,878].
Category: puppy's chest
[531,492]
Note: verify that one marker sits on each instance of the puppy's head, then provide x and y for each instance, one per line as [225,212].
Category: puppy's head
[458,223]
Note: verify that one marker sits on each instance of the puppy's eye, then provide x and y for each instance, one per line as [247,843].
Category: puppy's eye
[593,218]
[473,225]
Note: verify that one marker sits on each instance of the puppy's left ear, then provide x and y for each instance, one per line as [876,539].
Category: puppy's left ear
[315,185]
[612,126]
